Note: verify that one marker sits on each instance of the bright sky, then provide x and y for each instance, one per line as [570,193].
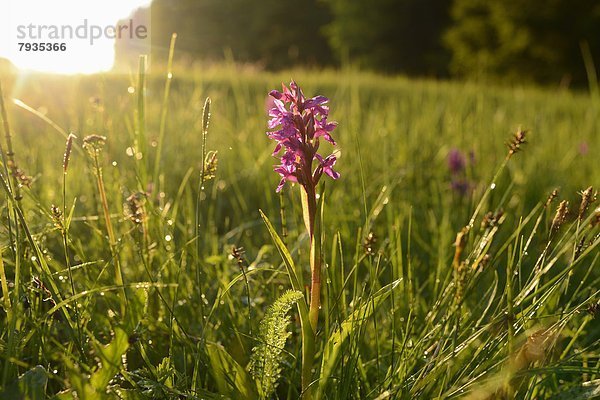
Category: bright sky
[22,21]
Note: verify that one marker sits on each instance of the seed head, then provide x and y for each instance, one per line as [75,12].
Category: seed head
[518,139]
[57,216]
[67,155]
[596,218]
[134,207]
[369,244]
[22,178]
[551,197]
[210,165]
[588,196]
[492,219]
[560,216]
[238,254]
[594,308]
[94,144]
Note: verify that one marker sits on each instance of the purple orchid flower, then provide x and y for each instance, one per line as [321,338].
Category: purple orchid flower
[298,125]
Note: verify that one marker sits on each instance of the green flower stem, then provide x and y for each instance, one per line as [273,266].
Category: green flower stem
[309,211]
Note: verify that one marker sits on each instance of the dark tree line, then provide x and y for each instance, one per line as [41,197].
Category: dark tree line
[536,40]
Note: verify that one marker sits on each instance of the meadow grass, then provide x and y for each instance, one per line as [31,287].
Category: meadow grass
[145,269]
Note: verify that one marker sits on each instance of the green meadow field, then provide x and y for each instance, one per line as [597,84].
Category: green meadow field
[143,269]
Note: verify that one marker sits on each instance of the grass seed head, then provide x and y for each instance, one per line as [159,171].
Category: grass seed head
[551,197]
[596,219]
[492,219]
[20,176]
[238,254]
[210,165]
[369,244]
[518,139]
[594,308]
[57,216]
[134,207]
[67,155]
[588,196]
[560,216]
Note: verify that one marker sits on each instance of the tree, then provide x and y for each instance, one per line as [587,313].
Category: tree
[522,40]
[274,33]
[391,35]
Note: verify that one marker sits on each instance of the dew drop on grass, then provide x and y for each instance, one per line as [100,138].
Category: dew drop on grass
[170,222]
[33,258]
[101,293]
[493,186]
[129,151]
[114,163]
[131,89]
[168,238]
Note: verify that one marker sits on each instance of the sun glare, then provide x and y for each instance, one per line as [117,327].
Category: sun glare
[66,36]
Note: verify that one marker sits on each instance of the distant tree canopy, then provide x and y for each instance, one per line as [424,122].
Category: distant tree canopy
[520,40]
[274,33]
[391,35]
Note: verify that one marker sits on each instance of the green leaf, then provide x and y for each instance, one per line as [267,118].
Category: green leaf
[283,251]
[333,347]
[232,380]
[30,386]
[136,308]
[265,364]
[291,270]
[110,362]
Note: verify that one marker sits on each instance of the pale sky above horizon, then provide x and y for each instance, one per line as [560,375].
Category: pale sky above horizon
[50,17]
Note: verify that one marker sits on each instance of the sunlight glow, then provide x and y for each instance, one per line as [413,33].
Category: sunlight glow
[86,28]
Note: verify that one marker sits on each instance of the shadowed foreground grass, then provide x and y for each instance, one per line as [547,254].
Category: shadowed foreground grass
[142,269]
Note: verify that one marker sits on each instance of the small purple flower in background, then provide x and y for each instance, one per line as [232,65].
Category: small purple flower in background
[583,148]
[460,186]
[457,166]
[456,161]
[299,124]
